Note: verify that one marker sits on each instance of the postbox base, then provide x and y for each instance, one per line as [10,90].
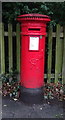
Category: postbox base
[32,95]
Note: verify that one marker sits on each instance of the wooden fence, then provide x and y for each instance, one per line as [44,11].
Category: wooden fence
[59,59]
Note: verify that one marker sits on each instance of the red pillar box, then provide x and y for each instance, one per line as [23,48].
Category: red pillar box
[33,32]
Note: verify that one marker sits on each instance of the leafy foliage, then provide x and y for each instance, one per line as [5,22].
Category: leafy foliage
[55,10]
[52,90]
[10,84]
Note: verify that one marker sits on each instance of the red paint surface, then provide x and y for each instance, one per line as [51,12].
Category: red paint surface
[32,61]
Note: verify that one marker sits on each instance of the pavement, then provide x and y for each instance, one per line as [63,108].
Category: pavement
[12,108]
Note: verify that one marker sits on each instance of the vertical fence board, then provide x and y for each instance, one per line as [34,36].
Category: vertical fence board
[18,46]
[63,68]
[58,57]
[49,54]
[10,46]
[2,48]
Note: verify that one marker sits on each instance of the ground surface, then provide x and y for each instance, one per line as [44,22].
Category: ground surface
[17,109]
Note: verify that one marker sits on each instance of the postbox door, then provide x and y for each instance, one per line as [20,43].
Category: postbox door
[33,48]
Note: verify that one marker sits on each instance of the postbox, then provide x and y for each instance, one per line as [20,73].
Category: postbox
[33,32]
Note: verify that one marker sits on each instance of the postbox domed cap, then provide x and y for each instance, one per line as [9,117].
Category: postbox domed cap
[33,16]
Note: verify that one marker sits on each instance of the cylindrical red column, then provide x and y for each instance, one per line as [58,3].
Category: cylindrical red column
[33,31]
